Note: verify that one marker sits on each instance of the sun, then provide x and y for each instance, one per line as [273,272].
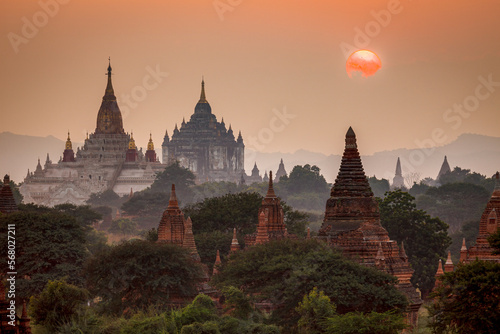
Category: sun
[364,61]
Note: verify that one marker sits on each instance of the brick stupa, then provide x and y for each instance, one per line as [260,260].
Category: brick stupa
[172,223]
[489,224]
[271,224]
[352,225]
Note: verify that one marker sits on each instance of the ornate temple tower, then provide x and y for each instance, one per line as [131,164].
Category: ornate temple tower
[205,146]
[271,224]
[171,228]
[108,160]
[131,155]
[398,181]
[352,224]
[150,152]
[68,154]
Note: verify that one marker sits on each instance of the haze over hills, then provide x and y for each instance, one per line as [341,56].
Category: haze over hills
[476,152]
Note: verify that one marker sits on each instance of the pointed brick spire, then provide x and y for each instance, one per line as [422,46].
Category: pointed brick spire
[188,241]
[24,322]
[464,247]
[216,264]
[235,245]
[448,265]
[351,180]
[308,237]
[440,270]
[270,189]
[173,203]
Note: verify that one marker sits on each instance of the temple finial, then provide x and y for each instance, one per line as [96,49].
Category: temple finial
[203,99]
[110,93]
[270,189]
[173,202]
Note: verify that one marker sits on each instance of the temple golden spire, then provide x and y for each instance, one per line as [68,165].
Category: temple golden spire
[131,143]
[203,99]
[151,146]
[110,93]
[69,146]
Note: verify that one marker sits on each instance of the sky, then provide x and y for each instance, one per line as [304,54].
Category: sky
[274,70]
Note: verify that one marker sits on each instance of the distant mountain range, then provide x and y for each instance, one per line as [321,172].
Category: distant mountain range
[476,152]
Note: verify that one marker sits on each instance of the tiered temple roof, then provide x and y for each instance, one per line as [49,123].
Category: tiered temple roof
[352,225]
[172,223]
[271,224]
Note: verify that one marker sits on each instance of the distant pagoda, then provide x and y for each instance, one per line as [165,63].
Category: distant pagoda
[205,146]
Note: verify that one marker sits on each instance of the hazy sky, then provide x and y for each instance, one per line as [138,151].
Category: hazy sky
[261,59]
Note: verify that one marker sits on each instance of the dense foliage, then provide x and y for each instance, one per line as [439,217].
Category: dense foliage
[379,187]
[304,188]
[283,272]
[137,274]
[50,244]
[57,304]
[425,238]
[318,315]
[455,203]
[468,300]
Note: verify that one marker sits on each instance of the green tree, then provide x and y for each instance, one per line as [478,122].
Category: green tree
[239,303]
[467,300]
[454,203]
[123,226]
[305,188]
[425,239]
[313,311]
[283,272]
[459,175]
[148,207]
[469,231]
[56,304]
[182,177]
[370,323]
[208,243]
[137,273]
[419,189]
[224,213]
[106,198]
[379,187]
[49,245]
[18,197]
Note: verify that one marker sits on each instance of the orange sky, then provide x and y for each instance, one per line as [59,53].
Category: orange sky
[263,56]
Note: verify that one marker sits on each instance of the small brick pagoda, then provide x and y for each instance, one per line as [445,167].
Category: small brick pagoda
[271,224]
[489,224]
[352,224]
